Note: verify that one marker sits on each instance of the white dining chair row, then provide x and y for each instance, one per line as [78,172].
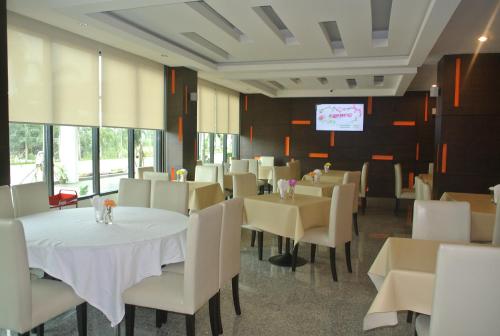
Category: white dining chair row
[23,200]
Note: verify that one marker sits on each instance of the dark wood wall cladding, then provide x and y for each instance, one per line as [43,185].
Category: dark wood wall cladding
[468,124]
[181,118]
[271,122]
[4,100]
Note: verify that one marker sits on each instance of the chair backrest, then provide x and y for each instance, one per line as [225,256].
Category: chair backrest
[244,185]
[364,179]
[239,166]
[142,170]
[355,178]
[30,198]
[253,166]
[205,174]
[279,173]
[431,168]
[230,241]
[201,266]
[418,189]
[134,193]
[267,160]
[295,170]
[6,207]
[340,229]
[220,173]
[440,220]
[199,162]
[426,191]
[15,286]
[466,296]
[155,176]
[173,196]
[496,228]
[398,185]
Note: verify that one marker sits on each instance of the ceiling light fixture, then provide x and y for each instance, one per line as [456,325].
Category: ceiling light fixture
[482,38]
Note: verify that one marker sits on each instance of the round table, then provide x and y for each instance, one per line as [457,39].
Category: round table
[101,261]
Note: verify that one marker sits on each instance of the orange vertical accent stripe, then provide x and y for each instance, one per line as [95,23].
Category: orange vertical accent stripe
[438,163]
[172,81]
[186,99]
[318,155]
[369,108]
[379,157]
[417,152]
[287,146]
[251,134]
[246,103]
[179,130]
[332,139]
[444,155]
[426,109]
[172,174]
[458,64]
[411,177]
[301,122]
[403,123]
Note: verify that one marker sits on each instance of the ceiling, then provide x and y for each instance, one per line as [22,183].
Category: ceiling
[280,48]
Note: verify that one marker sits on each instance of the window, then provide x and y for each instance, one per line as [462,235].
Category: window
[27,157]
[231,146]
[219,148]
[73,159]
[113,155]
[204,147]
[144,148]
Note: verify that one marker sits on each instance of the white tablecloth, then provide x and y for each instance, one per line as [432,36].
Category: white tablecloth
[101,261]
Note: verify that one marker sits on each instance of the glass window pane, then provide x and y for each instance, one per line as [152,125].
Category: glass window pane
[73,159]
[230,147]
[27,161]
[219,148]
[145,148]
[204,147]
[113,157]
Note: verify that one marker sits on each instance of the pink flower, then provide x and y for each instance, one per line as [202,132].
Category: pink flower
[292,182]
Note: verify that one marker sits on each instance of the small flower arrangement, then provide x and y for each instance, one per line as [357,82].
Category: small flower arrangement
[327,167]
[317,174]
[109,204]
[181,175]
[292,183]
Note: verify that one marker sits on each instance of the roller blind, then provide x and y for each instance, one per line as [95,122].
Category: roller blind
[218,109]
[53,75]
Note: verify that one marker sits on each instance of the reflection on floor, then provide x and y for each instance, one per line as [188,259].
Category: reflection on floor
[276,301]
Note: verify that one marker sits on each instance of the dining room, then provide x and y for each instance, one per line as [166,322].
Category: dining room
[175,167]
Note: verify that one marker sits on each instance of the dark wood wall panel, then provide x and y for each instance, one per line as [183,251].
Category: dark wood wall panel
[4,101]
[470,130]
[271,120]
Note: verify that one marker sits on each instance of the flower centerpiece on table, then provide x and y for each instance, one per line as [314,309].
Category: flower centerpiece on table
[181,175]
[292,183]
[317,174]
[109,204]
[327,167]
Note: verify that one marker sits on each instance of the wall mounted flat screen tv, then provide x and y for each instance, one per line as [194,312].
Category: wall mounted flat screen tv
[339,117]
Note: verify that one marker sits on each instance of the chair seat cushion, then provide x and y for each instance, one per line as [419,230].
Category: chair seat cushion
[317,236]
[165,292]
[422,325]
[51,298]
[407,193]
[174,268]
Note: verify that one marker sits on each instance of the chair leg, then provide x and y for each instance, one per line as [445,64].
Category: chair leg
[396,208]
[254,234]
[363,205]
[212,309]
[332,264]
[313,253]
[260,242]
[280,244]
[218,314]
[294,256]
[348,256]
[355,221]
[129,320]
[409,317]
[40,330]
[236,294]
[161,317]
[81,318]
[190,323]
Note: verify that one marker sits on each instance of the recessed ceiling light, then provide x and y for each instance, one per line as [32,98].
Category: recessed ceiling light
[482,38]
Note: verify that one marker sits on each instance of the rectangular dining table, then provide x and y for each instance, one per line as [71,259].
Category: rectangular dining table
[333,176]
[482,213]
[322,189]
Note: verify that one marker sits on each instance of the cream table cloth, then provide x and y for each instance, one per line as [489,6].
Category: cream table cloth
[322,189]
[101,261]
[204,194]
[333,176]
[482,213]
[289,217]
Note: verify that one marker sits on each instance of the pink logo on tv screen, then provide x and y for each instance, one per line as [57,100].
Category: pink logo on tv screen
[339,117]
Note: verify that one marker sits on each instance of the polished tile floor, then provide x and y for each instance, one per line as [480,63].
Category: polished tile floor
[276,301]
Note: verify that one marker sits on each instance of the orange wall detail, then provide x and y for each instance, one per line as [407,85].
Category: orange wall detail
[246,103]
[179,130]
[379,157]
[318,155]
[172,174]
[185,99]
[444,154]
[251,134]
[458,64]
[287,146]
[301,122]
[426,108]
[403,123]
[172,81]
[411,178]
[332,139]
[417,152]
[369,108]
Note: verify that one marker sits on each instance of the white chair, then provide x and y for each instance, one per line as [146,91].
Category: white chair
[439,220]
[142,170]
[364,185]
[220,174]
[496,229]
[253,167]
[431,168]
[426,191]
[205,174]
[155,176]
[244,185]
[400,192]
[418,189]
[134,193]
[295,170]
[28,303]
[238,166]
[466,297]
[267,161]
[338,232]
[173,196]
[199,162]
[185,293]
[30,198]
[6,207]
[278,174]
[354,177]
